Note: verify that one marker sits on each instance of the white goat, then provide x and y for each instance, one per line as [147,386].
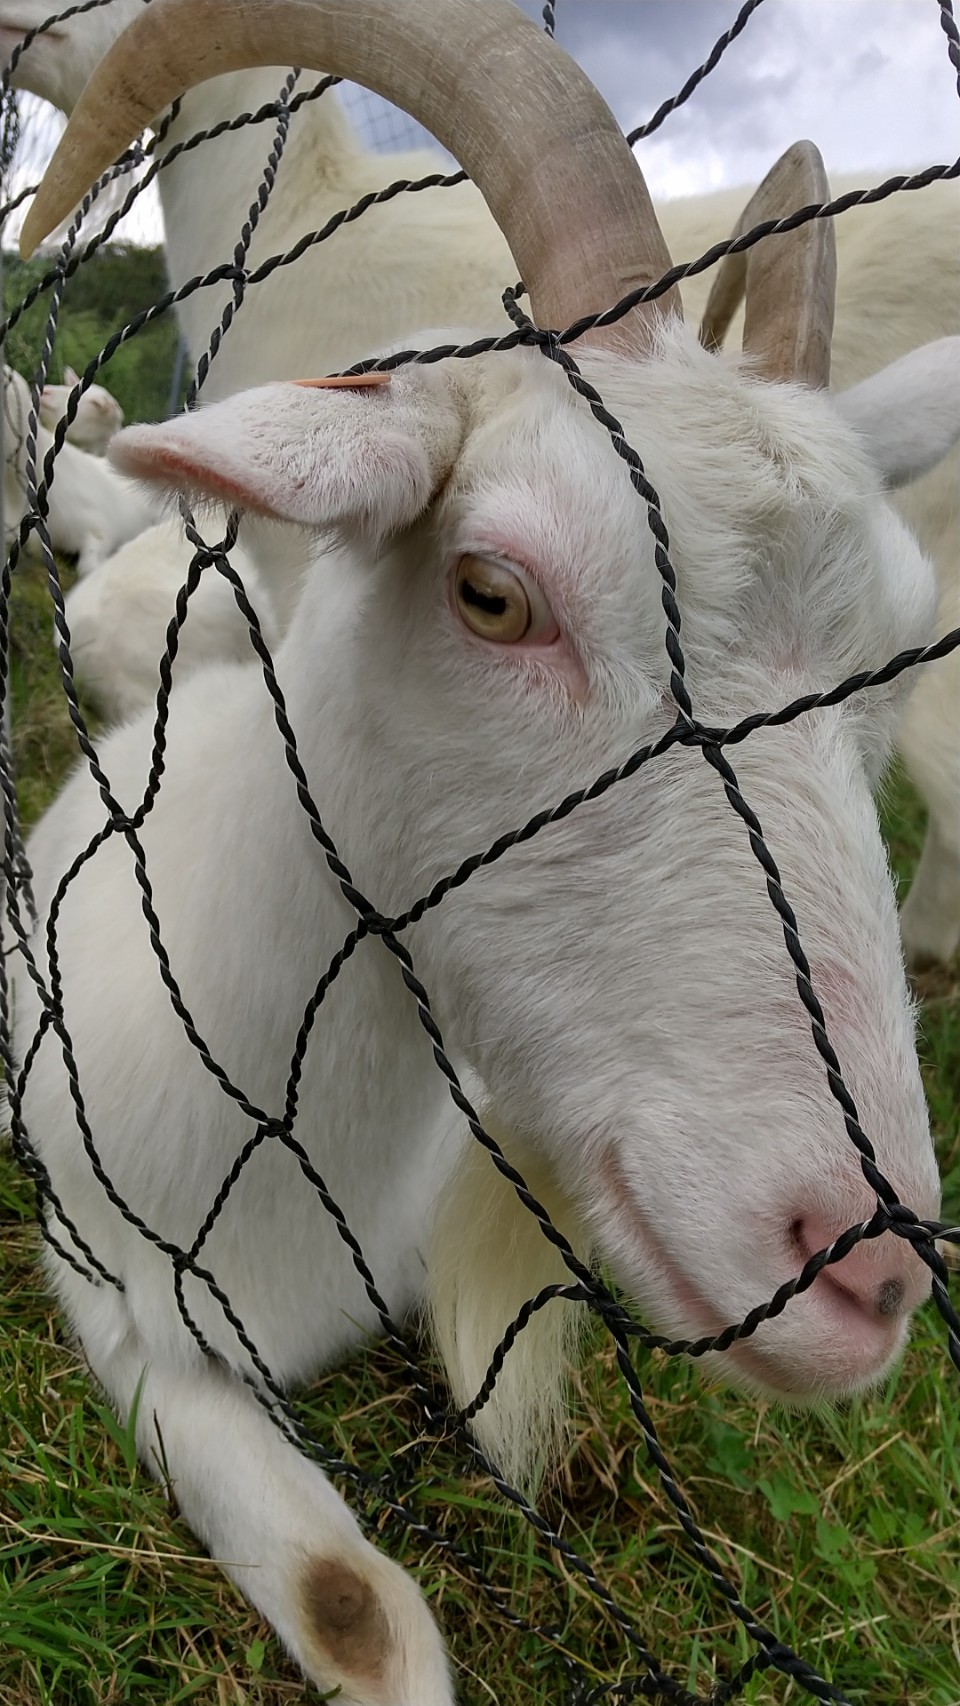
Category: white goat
[98,415]
[92,509]
[929,734]
[16,401]
[478,639]
[118,618]
[427,258]
[119,610]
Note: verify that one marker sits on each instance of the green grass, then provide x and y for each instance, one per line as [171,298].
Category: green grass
[841,1528]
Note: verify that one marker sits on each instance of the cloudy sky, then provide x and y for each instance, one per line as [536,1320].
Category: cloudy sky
[869,80]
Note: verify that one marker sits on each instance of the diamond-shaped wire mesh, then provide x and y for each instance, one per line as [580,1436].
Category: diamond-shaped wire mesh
[396,1497]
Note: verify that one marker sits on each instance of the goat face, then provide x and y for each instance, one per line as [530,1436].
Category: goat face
[620,981]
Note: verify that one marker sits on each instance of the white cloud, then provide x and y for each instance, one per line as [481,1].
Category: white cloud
[869,81]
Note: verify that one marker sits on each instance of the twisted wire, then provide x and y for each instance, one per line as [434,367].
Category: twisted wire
[584,1287]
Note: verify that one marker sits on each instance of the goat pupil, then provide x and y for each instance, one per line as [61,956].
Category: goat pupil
[494,604]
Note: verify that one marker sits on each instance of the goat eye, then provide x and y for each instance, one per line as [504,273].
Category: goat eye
[493,600]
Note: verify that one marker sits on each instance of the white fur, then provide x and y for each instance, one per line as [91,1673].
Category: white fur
[929,739]
[439,256]
[92,509]
[118,617]
[909,414]
[16,408]
[98,415]
[618,985]
[484,1265]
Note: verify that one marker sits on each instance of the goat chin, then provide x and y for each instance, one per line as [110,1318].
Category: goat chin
[488,1256]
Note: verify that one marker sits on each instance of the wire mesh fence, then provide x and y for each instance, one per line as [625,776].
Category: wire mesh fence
[396,1501]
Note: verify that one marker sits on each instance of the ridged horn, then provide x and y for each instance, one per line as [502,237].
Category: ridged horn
[524,121]
[789,281]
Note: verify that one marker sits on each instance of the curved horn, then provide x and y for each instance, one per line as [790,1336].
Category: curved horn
[524,121]
[789,281]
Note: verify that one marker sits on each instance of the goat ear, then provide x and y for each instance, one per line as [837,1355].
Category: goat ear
[70,377]
[321,456]
[909,413]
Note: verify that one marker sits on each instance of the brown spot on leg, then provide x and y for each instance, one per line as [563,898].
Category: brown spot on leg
[345,1617]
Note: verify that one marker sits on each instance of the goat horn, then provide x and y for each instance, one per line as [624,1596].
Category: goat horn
[524,121]
[789,281]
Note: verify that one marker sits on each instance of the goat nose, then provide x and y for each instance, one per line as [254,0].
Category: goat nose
[883,1276]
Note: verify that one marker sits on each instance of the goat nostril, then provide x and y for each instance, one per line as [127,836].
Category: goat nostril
[855,1277]
[890,1297]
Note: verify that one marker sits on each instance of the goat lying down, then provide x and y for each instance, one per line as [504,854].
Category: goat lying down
[420,260]
[92,509]
[119,614]
[483,632]
[130,573]
[98,415]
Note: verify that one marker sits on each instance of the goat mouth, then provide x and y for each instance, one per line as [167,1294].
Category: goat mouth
[861,1349]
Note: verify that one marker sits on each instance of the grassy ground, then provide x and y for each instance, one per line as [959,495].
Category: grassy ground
[842,1529]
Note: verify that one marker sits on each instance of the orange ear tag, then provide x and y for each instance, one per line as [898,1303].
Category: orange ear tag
[343,384]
